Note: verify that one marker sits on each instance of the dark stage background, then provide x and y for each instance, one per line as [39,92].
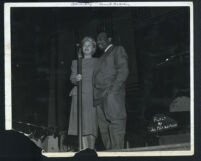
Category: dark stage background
[43,47]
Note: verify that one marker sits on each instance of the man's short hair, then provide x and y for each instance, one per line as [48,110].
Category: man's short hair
[108,34]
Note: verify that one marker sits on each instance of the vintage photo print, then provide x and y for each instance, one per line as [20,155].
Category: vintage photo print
[116,77]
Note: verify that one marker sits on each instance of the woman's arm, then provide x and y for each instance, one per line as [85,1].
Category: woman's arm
[73,72]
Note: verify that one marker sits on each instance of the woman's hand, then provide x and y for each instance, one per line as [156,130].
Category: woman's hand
[78,77]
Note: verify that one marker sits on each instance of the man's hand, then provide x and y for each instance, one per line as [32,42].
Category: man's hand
[108,91]
[78,77]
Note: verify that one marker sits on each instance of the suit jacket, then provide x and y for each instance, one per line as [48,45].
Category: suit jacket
[109,78]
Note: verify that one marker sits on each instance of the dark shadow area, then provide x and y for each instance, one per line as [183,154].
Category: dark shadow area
[15,146]
[87,154]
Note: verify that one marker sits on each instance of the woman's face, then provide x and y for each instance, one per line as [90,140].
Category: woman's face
[88,48]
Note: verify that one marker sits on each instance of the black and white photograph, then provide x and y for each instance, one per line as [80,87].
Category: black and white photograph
[114,77]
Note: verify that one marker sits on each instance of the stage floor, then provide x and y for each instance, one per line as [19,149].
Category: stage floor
[170,147]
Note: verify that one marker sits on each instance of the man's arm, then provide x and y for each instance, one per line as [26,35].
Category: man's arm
[121,65]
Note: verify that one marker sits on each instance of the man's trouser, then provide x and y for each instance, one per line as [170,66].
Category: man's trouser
[112,131]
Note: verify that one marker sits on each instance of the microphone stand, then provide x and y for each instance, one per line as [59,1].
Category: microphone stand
[79,98]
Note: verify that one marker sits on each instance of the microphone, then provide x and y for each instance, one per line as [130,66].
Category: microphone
[79,53]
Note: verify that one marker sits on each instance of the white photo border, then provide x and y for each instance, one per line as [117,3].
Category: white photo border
[8,76]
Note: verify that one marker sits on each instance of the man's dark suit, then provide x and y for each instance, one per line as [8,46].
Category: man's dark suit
[109,79]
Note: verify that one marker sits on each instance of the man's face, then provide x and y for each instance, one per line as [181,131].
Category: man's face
[102,41]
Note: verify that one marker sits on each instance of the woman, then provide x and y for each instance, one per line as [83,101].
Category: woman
[89,121]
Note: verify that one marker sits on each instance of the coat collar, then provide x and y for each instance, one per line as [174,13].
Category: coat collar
[109,46]
[109,50]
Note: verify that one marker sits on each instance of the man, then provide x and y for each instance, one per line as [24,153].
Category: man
[109,79]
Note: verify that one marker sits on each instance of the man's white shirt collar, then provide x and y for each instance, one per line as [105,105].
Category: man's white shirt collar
[108,47]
